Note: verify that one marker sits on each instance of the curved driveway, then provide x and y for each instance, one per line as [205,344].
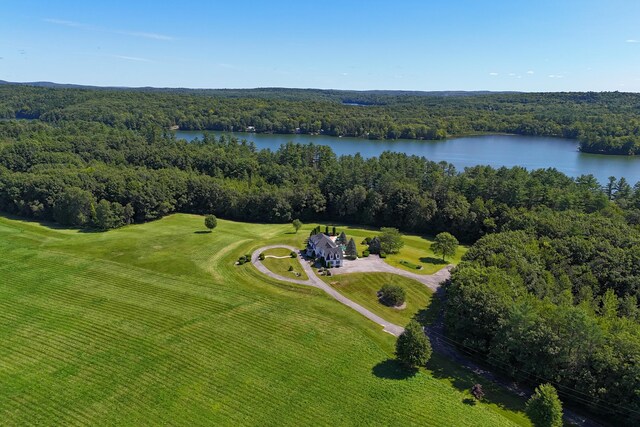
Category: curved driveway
[431,281]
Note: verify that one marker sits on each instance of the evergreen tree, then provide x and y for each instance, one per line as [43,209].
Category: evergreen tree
[342,239]
[351,251]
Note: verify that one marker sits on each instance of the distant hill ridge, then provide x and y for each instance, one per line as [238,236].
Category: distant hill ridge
[249,91]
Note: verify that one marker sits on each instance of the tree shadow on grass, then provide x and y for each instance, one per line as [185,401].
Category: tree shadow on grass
[432,260]
[202,232]
[463,379]
[391,369]
[469,401]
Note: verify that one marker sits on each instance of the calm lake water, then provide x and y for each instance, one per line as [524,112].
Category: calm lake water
[494,150]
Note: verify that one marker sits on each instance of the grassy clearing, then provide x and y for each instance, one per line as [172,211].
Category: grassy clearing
[363,287]
[154,324]
[281,265]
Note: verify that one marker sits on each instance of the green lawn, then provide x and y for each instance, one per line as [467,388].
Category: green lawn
[363,287]
[416,250]
[154,324]
[281,265]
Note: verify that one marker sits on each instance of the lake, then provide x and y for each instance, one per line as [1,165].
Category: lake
[531,152]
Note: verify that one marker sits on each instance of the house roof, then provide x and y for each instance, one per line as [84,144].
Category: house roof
[323,241]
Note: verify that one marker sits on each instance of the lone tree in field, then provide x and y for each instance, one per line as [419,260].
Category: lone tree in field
[444,244]
[210,221]
[296,224]
[392,295]
[390,240]
[413,348]
[351,251]
[477,392]
[544,407]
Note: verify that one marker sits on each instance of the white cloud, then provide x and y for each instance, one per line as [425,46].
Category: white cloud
[512,74]
[493,74]
[632,41]
[555,76]
[131,58]
[153,36]
[530,72]
[66,23]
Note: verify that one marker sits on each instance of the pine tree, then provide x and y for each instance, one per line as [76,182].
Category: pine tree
[351,251]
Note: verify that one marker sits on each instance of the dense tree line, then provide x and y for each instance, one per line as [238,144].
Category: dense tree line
[602,122]
[555,299]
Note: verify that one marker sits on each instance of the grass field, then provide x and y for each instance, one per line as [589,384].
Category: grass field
[416,250]
[281,265]
[154,324]
[363,287]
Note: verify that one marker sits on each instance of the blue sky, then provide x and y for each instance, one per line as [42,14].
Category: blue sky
[414,45]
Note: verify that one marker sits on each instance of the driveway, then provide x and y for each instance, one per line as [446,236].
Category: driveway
[316,282]
[375,264]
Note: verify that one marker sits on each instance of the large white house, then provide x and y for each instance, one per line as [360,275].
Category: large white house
[321,246]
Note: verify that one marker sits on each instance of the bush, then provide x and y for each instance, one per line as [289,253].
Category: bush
[544,407]
[328,272]
[290,268]
[366,241]
[247,257]
[365,254]
[392,295]
[261,257]
[383,254]
[210,221]
[293,254]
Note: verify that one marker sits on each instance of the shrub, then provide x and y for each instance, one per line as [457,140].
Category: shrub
[392,295]
[365,254]
[477,392]
[366,241]
[210,221]
[383,255]
[261,257]
[247,257]
[544,408]
[293,254]
[290,268]
[328,272]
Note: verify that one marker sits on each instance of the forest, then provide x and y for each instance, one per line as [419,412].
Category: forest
[605,123]
[547,293]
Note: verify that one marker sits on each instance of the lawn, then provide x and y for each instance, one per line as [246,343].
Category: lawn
[363,287]
[416,250]
[281,265]
[154,324]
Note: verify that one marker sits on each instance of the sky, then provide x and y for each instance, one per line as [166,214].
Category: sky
[520,45]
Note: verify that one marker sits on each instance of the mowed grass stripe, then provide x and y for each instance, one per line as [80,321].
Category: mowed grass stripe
[110,335]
